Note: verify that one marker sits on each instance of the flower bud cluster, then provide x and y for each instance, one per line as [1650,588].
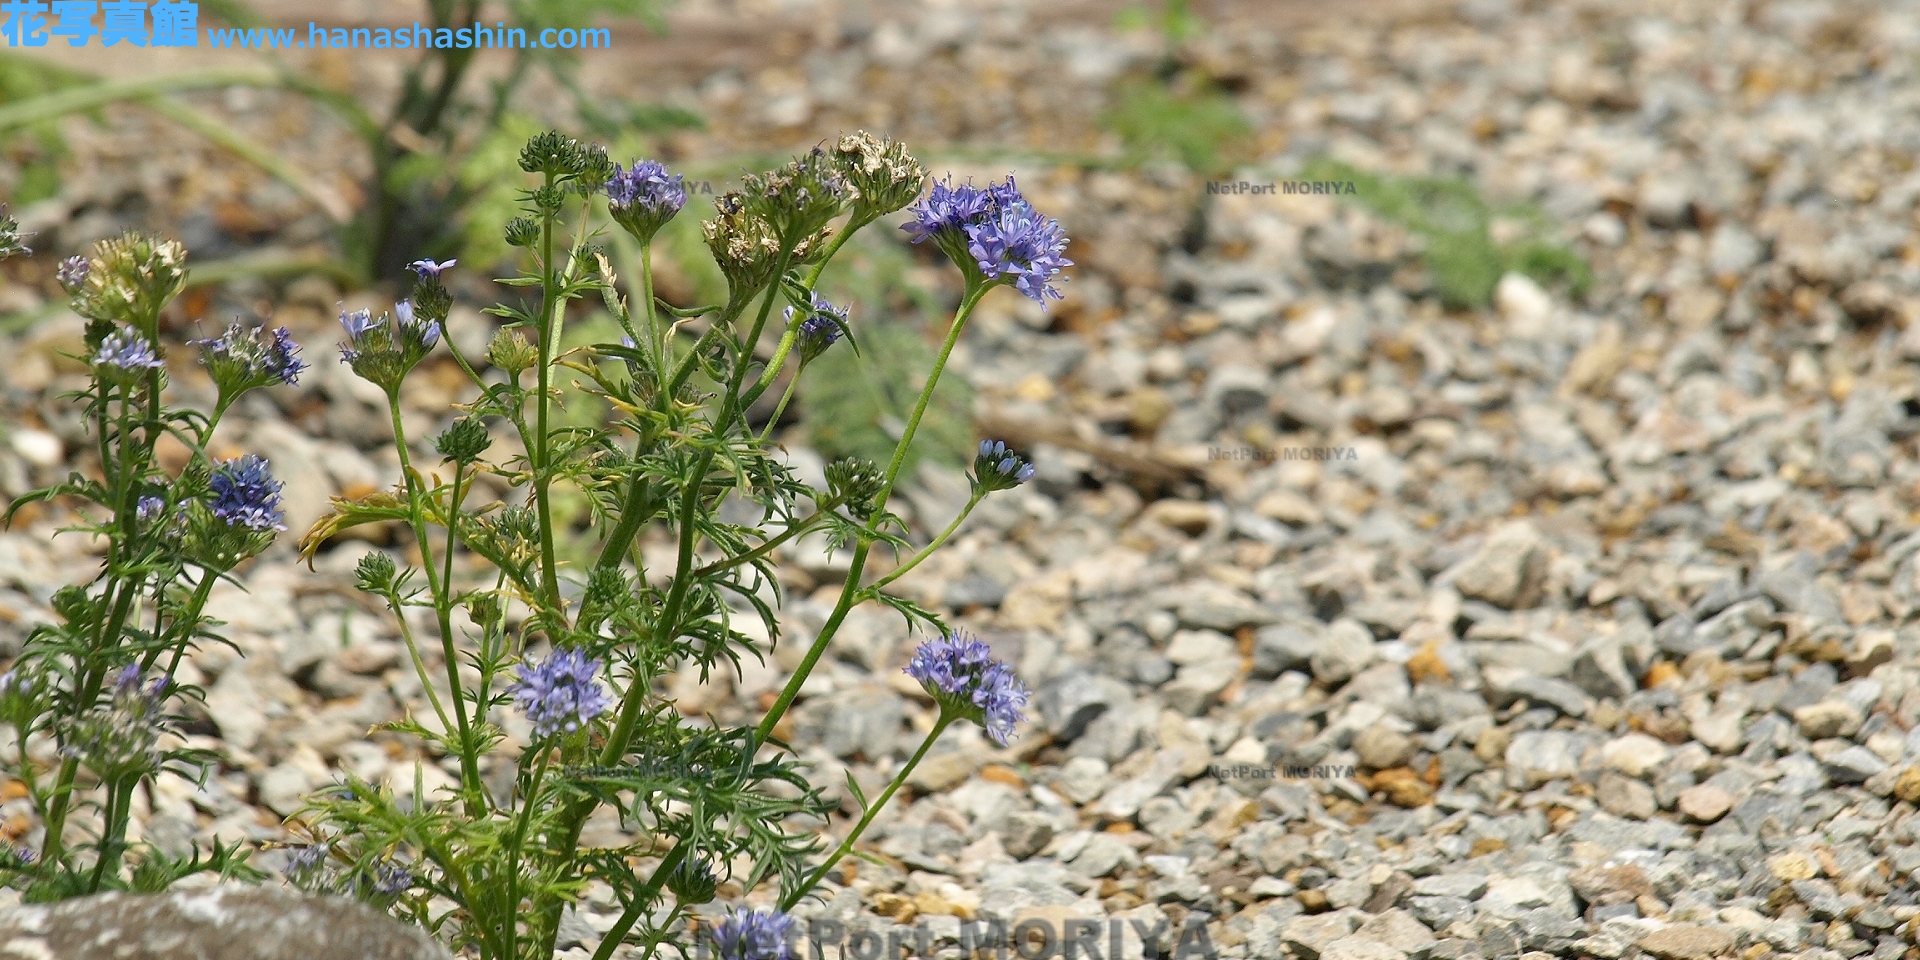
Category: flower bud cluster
[644,197]
[383,350]
[823,326]
[884,176]
[129,278]
[856,483]
[121,739]
[240,359]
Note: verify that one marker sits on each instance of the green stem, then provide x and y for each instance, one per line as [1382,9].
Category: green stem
[419,525]
[795,895]
[967,303]
[119,809]
[781,410]
[633,515]
[542,466]
[443,610]
[762,550]
[513,854]
[191,622]
[640,901]
[928,550]
[850,592]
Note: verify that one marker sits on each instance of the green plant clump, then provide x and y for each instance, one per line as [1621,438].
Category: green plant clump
[1454,221]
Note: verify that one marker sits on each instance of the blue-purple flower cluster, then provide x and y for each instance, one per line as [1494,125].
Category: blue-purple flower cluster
[962,676]
[561,693]
[755,935]
[246,495]
[996,229]
[999,468]
[644,197]
[428,269]
[73,272]
[391,879]
[821,329]
[127,351]
[239,359]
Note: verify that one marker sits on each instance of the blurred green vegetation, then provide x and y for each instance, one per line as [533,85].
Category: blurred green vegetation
[1177,112]
[1455,221]
[36,149]
[436,151]
[856,403]
[1188,120]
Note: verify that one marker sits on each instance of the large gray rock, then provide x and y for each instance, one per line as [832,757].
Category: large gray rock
[220,923]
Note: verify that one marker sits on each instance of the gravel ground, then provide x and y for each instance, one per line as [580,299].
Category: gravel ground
[1589,637]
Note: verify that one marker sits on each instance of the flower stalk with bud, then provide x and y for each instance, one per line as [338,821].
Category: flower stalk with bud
[100,680]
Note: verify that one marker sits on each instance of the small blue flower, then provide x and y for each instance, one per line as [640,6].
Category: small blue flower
[425,332]
[26,856]
[73,272]
[239,360]
[246,495]
[127,352]
[996,229]
[755,935]
[391,879]
[644,197]
[562,693]
[357,323]
[1017,242]
[947,208]
[822,327]
[999,468]
[305,857]
[646,184]
[959,672]
[360,327]
[148,508]
[283,358]
[427,268]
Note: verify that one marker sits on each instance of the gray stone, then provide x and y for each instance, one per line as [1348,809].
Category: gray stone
[1626,797]
[1103,854]
[1397,929]
[1282,647]
[1360,948]
[1732,250]
[219,923]
[865,721]
[1381,746]
[1439,912]
[1809,686]
[1345,649]
[973,590]
[1465,886]
[1541,756]
[1828,718]
[1071,701]
[1027,833]
[1506,568]
[1310,935]
[1082,779]
[1568,699]
[1194,687]
[1235,388]
[1853,765]
[1600,669]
